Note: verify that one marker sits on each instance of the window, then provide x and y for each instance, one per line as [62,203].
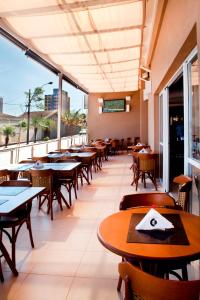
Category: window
[194,109]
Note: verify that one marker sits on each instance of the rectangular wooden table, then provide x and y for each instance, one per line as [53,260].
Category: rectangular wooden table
[54,166]
[83,158]
[11,199]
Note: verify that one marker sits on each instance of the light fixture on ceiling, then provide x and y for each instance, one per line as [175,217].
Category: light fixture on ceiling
[145,74]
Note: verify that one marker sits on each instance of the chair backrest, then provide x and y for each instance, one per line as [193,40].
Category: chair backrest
[185,185]
[42,159]
[89,149]
[129,141]
[136,140]
[63,150]
[146,162]
[146,199]
[4,175]
[26,174]
[114,143]
[67,159]
[16,183]
[26,161]
[142,285]
[43,178]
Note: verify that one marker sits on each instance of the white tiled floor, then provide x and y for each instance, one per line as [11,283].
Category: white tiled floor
[68,262]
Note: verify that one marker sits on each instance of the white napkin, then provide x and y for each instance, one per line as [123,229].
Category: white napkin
[153,220]
[38,165]
[143,150]
[139,144]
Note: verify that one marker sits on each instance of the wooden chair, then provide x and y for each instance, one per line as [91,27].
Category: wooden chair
[26,174]
[44,178]
[184,188]
[114,146]
[4,175]
[141,285]
[146,167]
[42,159]
[16,219]
[144,199]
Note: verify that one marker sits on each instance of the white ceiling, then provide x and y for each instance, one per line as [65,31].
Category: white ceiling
[97,43]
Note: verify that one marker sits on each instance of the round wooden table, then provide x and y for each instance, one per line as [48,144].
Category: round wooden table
[113,231]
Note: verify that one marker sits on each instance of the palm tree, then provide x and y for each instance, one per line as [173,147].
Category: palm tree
[36,122]
[73,120]
[8,131]
[22,126]
[46,124]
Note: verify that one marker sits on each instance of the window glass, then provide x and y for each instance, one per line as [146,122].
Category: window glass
[194,110]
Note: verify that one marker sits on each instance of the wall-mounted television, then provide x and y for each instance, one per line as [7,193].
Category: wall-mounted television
[115,105]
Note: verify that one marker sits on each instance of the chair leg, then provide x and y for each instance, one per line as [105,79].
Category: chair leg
[28,223]
[119,284]
[13,245]
[1,272]
[50,203]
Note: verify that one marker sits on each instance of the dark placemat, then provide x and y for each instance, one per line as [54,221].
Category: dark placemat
[2,201]
[11,190]
[176,236]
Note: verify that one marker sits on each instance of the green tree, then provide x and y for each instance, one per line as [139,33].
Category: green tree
[8,131]
[46,125]
[74,120]
[22,126]
[36,98]
[36,123]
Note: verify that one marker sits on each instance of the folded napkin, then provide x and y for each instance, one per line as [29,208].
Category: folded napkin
[38,165]
[154,221]
[143,150]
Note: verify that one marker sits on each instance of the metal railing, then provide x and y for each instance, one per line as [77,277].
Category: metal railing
[16,153]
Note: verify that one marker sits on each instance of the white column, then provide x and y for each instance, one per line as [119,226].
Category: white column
[59,110]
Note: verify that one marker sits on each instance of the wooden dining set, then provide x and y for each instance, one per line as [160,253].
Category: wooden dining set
[43,178]
[151,257]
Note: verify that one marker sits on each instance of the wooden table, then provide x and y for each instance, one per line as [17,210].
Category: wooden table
[12,202]
[83,157]
[54,166]
[113,231]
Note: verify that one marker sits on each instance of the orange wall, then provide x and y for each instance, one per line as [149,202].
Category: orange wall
[114,125]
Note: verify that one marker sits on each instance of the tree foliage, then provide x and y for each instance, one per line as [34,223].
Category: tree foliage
[36,98]
[74,120]
[7,131]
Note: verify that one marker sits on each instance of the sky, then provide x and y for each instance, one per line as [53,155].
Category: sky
[18,74]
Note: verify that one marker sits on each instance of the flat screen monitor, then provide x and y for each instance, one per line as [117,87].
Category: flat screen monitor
[116,105]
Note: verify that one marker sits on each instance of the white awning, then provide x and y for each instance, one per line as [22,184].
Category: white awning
[97,43]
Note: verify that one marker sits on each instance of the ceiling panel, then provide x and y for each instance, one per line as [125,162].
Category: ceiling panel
[98,42]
